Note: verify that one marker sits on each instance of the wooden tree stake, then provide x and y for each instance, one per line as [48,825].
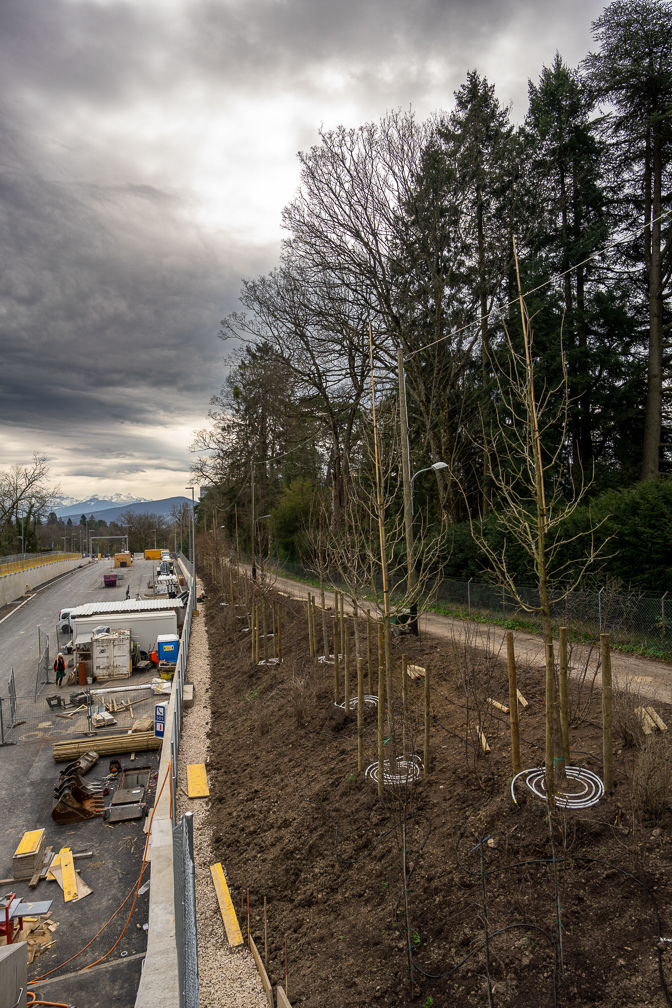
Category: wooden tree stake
[381,726]
[360,714]
[607,700]
[564,698]
[426,755]
[368,651]
[404,705]
[513,704]
[346,669]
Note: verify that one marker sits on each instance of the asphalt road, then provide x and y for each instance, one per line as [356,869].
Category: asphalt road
[19,631]
[27,777]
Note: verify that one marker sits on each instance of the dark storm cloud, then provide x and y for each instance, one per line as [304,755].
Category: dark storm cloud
[142,147]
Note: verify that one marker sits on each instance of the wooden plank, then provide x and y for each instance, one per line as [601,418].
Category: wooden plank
[265,982]
[282,999]
[39,866]
[231,925]
[82,888]
[656,718]
[68,874]
[648,727]
[197,781]
[30,842]
[521,699]
[499,706]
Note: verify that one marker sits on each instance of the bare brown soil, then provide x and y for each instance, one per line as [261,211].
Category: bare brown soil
[295,822]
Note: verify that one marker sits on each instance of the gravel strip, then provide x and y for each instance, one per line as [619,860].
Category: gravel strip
[227,979]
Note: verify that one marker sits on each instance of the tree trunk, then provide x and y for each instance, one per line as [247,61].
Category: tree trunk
[654,393]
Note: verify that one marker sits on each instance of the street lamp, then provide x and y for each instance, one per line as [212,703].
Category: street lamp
[154,531]
[435,467]
[193,540]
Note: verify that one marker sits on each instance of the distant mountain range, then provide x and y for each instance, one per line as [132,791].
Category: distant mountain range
[70,506]
[109,511]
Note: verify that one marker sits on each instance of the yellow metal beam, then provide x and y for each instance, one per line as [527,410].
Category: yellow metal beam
[197,781]
[226,906]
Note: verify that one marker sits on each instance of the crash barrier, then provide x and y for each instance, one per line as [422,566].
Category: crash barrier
[635,620]
[168,960]
[185,910]
[19,582]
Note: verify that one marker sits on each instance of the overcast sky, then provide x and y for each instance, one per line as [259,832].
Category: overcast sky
[148,147]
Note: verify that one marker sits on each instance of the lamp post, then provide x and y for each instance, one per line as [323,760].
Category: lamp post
[154,531]
[193,540]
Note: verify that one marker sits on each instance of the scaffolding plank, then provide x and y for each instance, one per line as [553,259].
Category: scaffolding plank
[226,906]
[197,781]
[68,874]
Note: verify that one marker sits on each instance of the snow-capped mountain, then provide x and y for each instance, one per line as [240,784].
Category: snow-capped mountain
[70,506]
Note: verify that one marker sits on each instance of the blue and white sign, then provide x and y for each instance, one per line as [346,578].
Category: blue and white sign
[160,719]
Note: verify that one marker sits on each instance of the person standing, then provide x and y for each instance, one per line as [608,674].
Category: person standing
[59,669]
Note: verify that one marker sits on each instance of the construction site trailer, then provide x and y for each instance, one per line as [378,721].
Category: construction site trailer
[122,559]
[153,554]
[144,627]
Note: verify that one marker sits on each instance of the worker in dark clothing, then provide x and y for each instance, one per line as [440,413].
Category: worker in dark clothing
[128,591]
[59,669]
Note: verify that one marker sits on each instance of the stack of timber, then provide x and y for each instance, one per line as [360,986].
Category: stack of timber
[29,855]
[107,745]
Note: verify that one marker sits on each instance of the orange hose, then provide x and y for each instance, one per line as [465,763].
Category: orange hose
[61,1004]
[133,890]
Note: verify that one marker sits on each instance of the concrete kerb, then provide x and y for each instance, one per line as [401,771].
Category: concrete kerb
[159,984]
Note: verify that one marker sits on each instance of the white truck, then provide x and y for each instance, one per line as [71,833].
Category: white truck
[145,627]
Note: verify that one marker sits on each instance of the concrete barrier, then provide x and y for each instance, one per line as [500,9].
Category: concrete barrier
[22,582]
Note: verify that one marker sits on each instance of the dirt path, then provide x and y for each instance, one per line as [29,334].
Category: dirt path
[649,677]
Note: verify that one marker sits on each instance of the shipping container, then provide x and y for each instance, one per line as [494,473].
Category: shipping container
[153,554]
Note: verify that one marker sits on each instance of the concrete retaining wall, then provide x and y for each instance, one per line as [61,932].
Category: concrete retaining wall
[12,586]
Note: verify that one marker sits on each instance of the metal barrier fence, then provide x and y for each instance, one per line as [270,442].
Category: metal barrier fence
[184,872]
[635,620]
[9,565]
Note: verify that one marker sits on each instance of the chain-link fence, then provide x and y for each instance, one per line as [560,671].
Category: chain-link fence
[184,870]
[638,621]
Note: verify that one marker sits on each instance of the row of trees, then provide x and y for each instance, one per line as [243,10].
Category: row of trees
[143,529]
[402,236]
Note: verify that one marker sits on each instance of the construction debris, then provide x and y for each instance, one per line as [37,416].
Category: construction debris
[415,671]
[74,799]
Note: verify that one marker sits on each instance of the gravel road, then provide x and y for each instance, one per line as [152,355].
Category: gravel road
[227,979]
[647,676]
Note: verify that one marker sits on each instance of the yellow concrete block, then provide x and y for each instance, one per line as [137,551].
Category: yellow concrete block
[226,906]
[197,781]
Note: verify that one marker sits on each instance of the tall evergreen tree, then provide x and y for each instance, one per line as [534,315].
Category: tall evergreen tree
[582,315]
[632,72]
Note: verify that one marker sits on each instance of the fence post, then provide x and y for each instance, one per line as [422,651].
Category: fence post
[662,616]
[469,594]
[599,607]
[2,726]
